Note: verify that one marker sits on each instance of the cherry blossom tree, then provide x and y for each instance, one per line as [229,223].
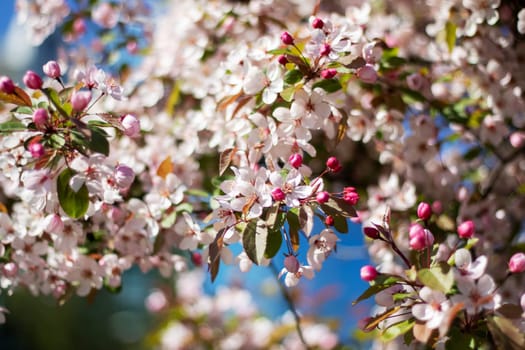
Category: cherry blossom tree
[271,125]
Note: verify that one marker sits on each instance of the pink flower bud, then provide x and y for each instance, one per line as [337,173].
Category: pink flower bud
[437,207]
[10,270]
[52,69]
[32,80]
[131,125]
[328,73]
[466,229]
[325,50]
[350,196]
[6,85]
[367,74]
[124,176]
[40,117]
[291,264]
[368,273]
[36,149]
[421,239]
[79,26]
[329,220]
[371,232]
[196,258]
[517,263]
[53,223]
[282,59]
[287,38]
[278,194]
[414,230]
[322,197]
[295,160]
[517,139]
[424,211]
[317,23]
[333,164]
[80,100]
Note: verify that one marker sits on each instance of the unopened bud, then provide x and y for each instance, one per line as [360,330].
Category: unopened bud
[295,160]
[333,164]
[517,263]
[32,80]
[317,23]
[287,38]
[6,85]
[328,73]
[466,229]
[368,273]
[36,149]
[278,194]
[52,69]
[40,117]
[424,211]
[322,197]
[371,232]
[80,100]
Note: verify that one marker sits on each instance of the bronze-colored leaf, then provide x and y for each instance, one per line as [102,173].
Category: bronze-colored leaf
[226,158]
[214,254]
[165,167]
[379,318]
[421,332]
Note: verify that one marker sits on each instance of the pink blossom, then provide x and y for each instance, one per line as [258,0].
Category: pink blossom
[80,100]
[105,15]
[517,263]
[367,74]
[131,125]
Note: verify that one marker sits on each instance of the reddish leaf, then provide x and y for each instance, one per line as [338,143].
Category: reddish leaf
[225,159]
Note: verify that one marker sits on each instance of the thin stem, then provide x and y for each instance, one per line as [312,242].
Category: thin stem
[291,305]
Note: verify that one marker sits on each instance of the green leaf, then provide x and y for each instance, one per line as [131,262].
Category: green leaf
[169,220]
[12,126]
[288,93]
[450,35]
[254,240]
[460,340]
[438,278]
[328,85]
[275,221]
[279,51]
[340,223]
[57,141]
[293,76]
[98,142]
[397,329]
[74,204]
[381,282]
[55,99]
[337,206]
